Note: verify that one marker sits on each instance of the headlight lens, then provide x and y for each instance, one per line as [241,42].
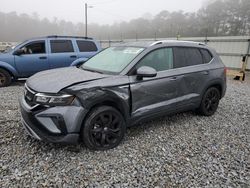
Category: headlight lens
[54,100]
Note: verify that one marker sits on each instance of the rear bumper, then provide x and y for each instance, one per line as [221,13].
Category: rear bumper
[55,124]
[224,87]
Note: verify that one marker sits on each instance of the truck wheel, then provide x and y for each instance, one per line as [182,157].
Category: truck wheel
[5,78]
[103,129]
[210,102]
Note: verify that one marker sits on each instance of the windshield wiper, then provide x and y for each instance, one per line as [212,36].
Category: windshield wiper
[91,70]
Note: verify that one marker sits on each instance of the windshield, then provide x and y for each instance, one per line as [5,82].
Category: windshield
[112,60]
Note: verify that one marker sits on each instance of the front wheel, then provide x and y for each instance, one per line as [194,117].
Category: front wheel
[210,102]
[103,129]
[5,78]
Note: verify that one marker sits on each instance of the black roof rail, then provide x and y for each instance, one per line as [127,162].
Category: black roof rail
[58,36]
[202,44]
[157,43]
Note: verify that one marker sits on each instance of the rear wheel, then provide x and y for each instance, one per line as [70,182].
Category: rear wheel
[210,102]
[104,128]
[5,78]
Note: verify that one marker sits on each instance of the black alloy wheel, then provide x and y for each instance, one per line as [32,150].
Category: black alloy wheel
[104,128]
[210,102]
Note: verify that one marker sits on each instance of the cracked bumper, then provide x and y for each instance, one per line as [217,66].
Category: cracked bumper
[55,124]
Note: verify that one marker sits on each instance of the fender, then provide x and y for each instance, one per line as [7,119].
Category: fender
[79,61]
[119,97]
[9,68]
[216,82]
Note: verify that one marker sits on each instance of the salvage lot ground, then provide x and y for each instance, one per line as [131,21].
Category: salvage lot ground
[183,150]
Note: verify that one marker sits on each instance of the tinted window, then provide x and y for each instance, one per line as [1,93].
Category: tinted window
[160,60]
[86,46]
[61,46]
[207,57]
[185,56]
[35,48]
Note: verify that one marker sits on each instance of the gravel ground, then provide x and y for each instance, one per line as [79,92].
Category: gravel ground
[184,150]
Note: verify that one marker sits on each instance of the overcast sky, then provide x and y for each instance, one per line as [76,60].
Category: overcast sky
[103,11]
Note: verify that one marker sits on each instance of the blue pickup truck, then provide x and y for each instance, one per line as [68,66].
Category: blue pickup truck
[44,53]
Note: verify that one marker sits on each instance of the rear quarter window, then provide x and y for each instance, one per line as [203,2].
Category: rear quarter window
[207,57]
[86,46]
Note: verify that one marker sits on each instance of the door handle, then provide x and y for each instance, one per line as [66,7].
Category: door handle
[73,56]
[205,72]
[173,78]
[43,57]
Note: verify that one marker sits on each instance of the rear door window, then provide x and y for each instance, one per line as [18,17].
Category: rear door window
[61,46]
[185,56]
[86,46]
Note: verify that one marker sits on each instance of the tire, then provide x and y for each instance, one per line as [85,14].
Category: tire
[103,129]
[5,78]
[210,102]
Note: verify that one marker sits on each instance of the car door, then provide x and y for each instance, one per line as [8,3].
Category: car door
[62,53]
[193,72]
[152,96]
[33,59]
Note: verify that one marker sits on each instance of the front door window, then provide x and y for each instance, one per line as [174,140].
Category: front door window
[160,59]
[34,48]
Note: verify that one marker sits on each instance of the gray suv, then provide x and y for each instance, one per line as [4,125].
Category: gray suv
[120,87]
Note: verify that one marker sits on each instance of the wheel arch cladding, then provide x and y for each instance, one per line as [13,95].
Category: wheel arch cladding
[7,67]
[217,84]
[115,97]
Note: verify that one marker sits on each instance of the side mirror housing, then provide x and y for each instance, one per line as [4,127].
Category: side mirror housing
[18,52]
[146,72]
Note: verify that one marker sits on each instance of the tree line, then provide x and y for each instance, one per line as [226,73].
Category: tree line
[217,18]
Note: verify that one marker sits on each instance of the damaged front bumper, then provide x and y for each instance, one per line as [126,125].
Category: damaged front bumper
[60,124]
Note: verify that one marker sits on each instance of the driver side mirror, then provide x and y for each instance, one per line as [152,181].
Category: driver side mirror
[18,52]
[146,71]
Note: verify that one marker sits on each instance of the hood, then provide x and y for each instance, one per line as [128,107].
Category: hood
[7,58]
[3,56]
[52,81]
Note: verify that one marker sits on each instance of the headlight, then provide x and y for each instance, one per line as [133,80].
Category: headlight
[54,100]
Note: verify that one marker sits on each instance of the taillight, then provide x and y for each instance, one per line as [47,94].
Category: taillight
[225,70]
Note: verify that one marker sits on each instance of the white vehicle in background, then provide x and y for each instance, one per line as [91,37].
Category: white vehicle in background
[5,45]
